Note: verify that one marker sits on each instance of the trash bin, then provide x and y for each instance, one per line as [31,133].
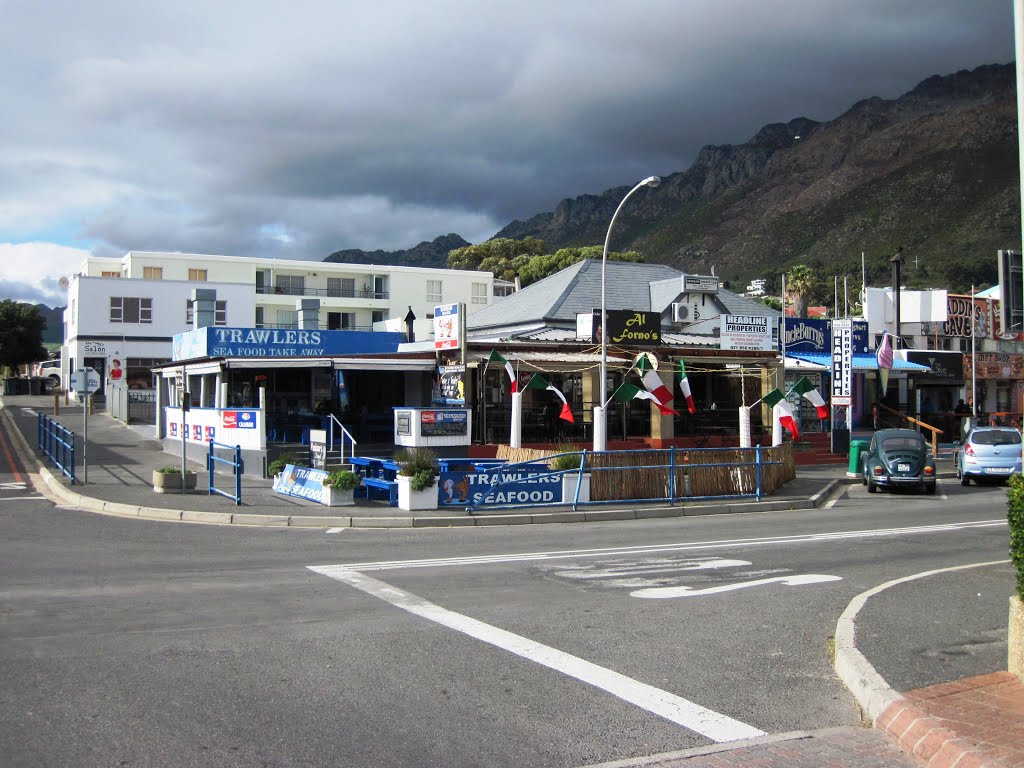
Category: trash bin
[37,386]
[857,447]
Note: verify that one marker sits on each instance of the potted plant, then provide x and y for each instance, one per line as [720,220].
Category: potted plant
[567,460]
[418,471]
[1015,635]
[168,480]
[277,466]
[339,488]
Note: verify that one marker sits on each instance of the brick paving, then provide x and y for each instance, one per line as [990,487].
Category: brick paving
[969,723]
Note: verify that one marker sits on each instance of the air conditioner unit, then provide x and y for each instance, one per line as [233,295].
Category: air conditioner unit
[680,312]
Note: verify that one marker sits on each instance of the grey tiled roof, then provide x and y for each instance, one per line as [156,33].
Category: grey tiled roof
[576,289]
[557,299]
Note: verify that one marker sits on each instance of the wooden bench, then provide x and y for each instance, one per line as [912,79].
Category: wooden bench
[380,484]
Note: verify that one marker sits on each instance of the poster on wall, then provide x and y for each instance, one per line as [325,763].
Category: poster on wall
[451,385]
[446,326]
[444,423]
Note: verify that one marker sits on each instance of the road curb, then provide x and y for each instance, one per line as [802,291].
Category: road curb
[915,732]
[53,487]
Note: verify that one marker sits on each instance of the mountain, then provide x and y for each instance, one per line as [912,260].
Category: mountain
[54,332]
[934,171]
[432,254]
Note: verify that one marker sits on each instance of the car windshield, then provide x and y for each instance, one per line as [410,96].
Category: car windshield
[901,443]
[996,437]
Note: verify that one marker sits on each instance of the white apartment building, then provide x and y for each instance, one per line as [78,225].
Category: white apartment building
[129,308]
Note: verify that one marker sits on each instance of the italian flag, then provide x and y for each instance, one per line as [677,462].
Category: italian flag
[653,383]
[539,382]
[775,397]
[627,391]
[807,391]
[496,358]
[684,384]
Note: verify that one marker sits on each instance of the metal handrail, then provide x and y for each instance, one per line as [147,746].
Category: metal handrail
[934,430]
[344,433]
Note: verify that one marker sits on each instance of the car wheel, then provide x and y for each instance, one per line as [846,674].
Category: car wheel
[54,381]
[929,489]
[964,479]
[871,487]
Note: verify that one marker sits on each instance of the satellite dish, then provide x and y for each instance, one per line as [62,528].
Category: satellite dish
[63,283]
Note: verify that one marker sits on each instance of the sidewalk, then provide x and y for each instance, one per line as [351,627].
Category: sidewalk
[976,722]
[120,461]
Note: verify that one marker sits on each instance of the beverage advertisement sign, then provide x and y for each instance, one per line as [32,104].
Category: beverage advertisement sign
[446,326]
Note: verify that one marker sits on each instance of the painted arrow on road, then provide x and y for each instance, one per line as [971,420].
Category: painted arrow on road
[789,581]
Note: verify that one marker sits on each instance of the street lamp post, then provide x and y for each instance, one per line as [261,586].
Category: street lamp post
[600,424]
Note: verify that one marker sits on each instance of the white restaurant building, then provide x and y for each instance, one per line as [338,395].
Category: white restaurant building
[129,308]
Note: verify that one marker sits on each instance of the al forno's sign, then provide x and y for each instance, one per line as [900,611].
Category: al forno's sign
[632,329]
[746,332]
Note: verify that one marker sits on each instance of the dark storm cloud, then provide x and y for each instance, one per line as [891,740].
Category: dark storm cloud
[256,129]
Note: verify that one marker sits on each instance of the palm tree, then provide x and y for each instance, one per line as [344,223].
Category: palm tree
[800,282]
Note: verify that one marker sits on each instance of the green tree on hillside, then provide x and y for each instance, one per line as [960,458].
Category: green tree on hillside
[21,334]
[525,259]
[801,282]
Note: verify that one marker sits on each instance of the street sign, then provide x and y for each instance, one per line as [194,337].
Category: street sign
[842,361]
[85,381]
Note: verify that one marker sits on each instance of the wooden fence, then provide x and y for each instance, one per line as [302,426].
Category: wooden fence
[698,472]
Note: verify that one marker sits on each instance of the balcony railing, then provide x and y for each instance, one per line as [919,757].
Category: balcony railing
[320,327]
[333,293]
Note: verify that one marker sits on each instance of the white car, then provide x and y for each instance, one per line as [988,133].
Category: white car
[49,370]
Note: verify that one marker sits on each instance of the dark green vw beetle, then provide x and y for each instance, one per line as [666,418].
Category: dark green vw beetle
[899,458]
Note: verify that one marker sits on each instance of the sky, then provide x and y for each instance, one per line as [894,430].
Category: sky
[292,130]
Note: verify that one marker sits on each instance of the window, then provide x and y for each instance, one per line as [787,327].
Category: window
[378,316]
[287,318]
[434,291]
[341,286]
[348,320]
[479,293]
[259,317]
[153,273]
[196,275]
[290,284]
[220,312]
[110,274]
[124,309]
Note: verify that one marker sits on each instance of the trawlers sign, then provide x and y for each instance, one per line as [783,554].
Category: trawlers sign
[280,342]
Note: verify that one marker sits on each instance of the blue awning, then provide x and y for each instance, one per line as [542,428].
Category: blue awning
[860,362]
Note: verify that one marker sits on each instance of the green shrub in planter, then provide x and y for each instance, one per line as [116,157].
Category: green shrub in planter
[169,470]
[277,465]
[342,479]
[421,465]
[569,460]
[1015,516]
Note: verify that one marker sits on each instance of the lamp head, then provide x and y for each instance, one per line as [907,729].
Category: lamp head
[652,181]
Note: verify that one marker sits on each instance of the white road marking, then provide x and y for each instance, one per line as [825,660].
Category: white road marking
[789,581]
[13,486]
[335,530]
[646,569]
[20,498]
[566,554]
[708,723]
[29,412]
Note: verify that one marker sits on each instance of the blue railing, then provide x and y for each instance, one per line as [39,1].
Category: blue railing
[677,462]
[58,445]
[237,468]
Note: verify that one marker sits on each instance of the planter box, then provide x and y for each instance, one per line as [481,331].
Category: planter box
[569,488]
[170,482]
[336,497]
[409,500]
[1015,638]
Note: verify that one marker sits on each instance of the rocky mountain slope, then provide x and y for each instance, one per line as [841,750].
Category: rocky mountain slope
[933,171]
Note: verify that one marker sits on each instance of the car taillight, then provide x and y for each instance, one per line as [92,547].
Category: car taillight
[878,470]
[968,451]
[929,470]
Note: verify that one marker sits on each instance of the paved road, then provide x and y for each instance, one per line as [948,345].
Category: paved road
[127,642]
